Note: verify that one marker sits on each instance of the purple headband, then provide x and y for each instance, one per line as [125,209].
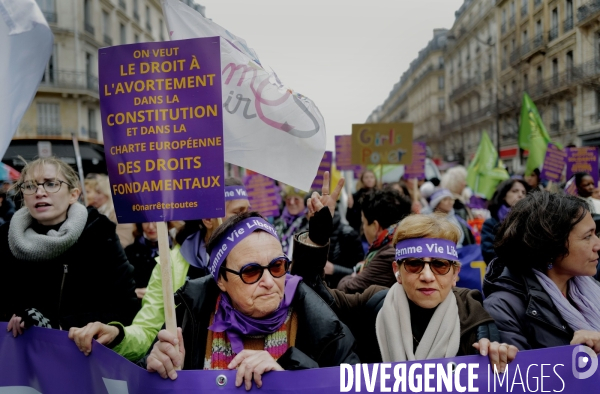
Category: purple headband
[426,247]
[232,237]
[235,192]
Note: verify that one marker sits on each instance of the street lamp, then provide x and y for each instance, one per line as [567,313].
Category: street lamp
[490,44]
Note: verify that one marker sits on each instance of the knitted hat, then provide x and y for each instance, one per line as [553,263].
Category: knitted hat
[438,196]
[427,189]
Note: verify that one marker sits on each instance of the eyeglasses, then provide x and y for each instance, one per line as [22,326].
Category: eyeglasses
[31,187]
[251,273]
[437,266]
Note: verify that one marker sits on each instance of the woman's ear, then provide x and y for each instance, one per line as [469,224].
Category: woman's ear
[396,269]
[221,285]
[455,275]
[74,195]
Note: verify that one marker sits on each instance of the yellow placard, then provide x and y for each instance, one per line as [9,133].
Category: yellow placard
[382,143]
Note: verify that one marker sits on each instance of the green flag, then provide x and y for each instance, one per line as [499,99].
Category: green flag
[484,174]
[532,135]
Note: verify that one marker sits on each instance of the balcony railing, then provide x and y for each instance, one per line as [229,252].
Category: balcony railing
[554,126]
[93,134]
[487,75]
[50,16]
[524,9]
[556,84]
[515,56]
[71,80]
[49,130]
[465,88]
[588,11]
[88,27]
[553,33]
[533,46]
[503,64]
[569,124]
[122,4]
[568,24]
[107,40]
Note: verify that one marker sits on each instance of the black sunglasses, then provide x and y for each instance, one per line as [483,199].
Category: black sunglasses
[438,266]
[252,272]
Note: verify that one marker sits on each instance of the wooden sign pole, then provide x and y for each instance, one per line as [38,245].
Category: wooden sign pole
[166,276]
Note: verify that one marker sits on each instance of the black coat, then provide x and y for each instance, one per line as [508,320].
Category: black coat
[140,256]
[96,280]
[488,236]
[353,214]
[322,340]
[345,250]
[523,311]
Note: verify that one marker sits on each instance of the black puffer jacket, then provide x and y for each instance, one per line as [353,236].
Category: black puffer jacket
[345,250]
[140,257]
[488,237]
[523,311]
[322,340]
[92,281]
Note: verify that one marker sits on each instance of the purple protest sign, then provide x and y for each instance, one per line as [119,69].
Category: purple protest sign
[163,129]
[46,361]
[417,168]
[262,194]
[554,163]
[324,166]
[343,153]
[583,159]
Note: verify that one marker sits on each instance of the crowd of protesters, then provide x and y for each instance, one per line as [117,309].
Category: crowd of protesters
[316,286]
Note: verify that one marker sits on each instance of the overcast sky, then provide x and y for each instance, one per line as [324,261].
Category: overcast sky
[344,55]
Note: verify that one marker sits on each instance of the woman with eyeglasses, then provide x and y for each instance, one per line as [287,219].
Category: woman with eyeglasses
[249,314]
[423,315]
[62,264]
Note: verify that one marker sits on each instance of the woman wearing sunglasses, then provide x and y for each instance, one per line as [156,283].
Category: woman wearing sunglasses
[423,315]
[249,314]
[62,264]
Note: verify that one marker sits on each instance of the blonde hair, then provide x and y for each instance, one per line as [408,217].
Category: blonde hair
[426,226]
[454,178]
[90,182]
[62,168]
[103,186]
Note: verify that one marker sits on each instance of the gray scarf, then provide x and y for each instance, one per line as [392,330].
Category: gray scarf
[585,293]
[394,333]
[26,244]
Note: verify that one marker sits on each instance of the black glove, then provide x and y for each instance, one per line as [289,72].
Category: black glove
[34,318]
[320,227]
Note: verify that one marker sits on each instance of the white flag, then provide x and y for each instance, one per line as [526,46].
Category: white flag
[25,48]
[268,128]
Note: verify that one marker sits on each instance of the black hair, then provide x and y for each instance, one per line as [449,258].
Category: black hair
[401,185]
[435,181]
[191,226]
[385,206]
[501,191]
[536,231]
[579,177]
[224,228]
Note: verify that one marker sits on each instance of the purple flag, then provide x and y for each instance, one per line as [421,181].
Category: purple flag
[554,163]
[163,129]
[584,159]
[46,361]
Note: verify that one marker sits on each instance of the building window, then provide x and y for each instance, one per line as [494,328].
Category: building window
[87,16]
[569,65]
[106,28]
[136,38]
[555,118]
[441,82]
[569,115]
[92,132]
[554,27]
[148,24]
[136,8]
[441,104]
[568,25]
[48,8]
[123,34]
[48,118]
[50,72]
[555,71]
[441,61]
[525,83]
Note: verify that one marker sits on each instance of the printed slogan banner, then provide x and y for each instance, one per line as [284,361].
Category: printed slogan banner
[382,143]
[163,129]
[46,361]
[268,127]
[324,166]
[262,194]
[554,163]
[416,169]
[583,159]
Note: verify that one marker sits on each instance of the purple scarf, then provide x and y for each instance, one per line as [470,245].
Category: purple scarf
[503,212]
[235,324]
[193,250]
[292,224]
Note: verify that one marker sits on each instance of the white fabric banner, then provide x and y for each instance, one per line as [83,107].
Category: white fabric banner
[25,47]
[268,128]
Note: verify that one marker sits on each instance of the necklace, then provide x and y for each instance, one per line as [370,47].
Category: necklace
[416,340]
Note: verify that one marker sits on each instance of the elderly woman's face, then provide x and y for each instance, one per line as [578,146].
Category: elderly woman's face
[262,298]
[294,204]
[582,259]
[426,289]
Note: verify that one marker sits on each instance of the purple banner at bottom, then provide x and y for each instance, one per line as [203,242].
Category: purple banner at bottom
[46,361]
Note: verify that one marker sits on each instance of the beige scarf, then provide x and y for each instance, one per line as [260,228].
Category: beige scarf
[394,333]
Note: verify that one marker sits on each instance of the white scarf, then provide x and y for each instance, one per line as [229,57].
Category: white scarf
[394,333]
